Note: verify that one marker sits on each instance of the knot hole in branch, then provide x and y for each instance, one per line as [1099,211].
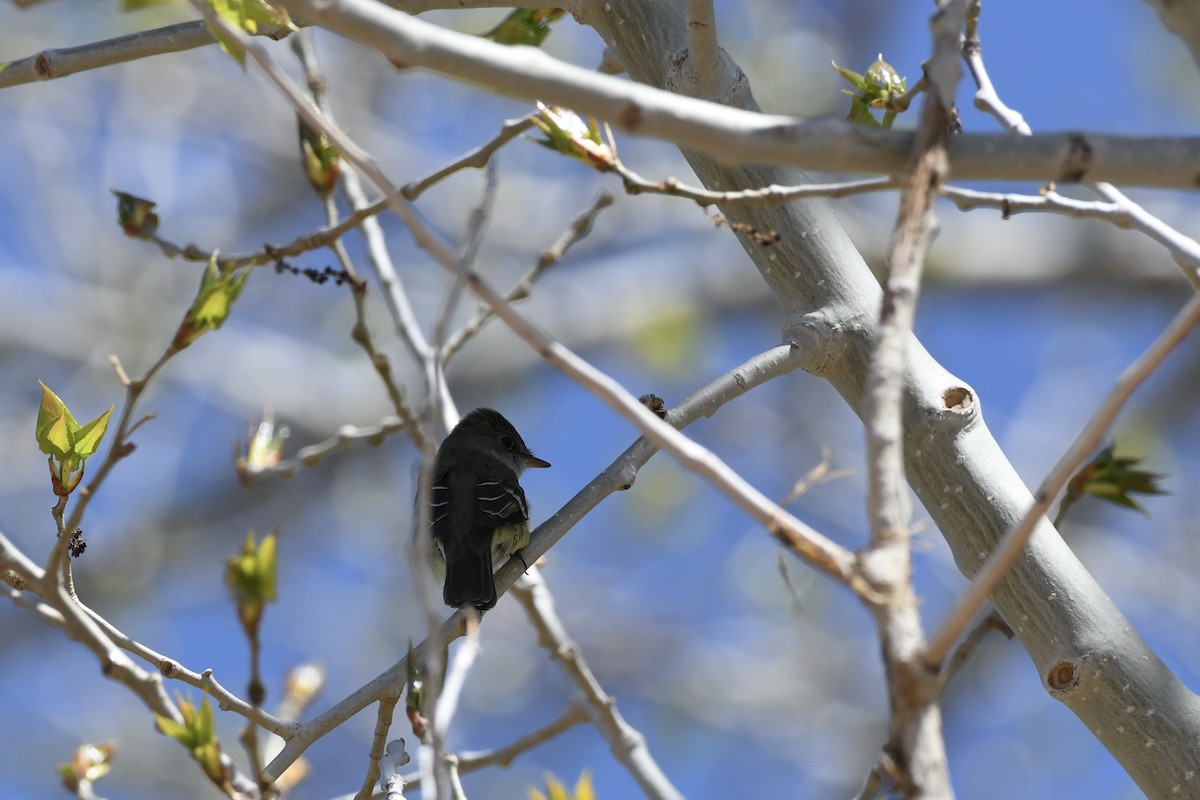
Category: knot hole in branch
[1063,676]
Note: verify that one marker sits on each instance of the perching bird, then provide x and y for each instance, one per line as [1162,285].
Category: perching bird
[478,510]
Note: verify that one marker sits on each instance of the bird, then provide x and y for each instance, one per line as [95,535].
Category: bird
[478,513]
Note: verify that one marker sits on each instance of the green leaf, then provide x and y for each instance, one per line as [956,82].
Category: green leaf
[321,158]
[88,437]
[89,763]
[251,16]
[853,78]
[197,733]
[230,11]
[219,288]
[557,790]
[567,133]
[583,787]
[881,87]
[251,576]
[56,427]
[1114,479]
[528,26]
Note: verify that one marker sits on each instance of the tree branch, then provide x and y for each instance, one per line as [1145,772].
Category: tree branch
[736,136]
[628,745]
[915,744]
[1006,553]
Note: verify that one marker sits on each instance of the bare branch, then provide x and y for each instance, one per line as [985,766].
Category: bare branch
[1121,211]
[63,61]
[476,159]
[636,184]
[383,724]
[986,98]
[471,760]
[579,228]
[916,742]
[627,744]
[1118,211]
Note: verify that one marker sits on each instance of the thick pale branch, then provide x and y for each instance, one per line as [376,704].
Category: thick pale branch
[738,136]
[1006,553]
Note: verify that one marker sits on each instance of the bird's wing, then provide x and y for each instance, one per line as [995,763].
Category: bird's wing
[439,504]
[499,498]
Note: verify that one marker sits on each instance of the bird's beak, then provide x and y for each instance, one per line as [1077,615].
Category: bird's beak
[533,461]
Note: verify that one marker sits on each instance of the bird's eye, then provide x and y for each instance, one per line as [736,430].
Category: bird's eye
[508,443]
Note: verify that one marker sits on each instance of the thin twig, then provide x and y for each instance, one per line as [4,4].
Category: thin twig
[986,98]
[1119,209]
[626,743]
[470,761]
[579,228]
[478,158]
[635,184]
[383,724]
[377,252]
[346,436]
[63,61]
[991,622]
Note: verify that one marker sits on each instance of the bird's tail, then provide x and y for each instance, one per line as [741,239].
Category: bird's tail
[469,581]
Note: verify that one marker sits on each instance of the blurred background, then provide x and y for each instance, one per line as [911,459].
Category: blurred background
[675,597]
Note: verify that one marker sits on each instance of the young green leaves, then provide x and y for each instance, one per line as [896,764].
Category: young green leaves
[567,133]
[197,733]
[1112,478]
[67,442]
[251,578]
[88,764]
[219,287]
[321,158]
[252,16]
[529,26]
[557,790]
[882,87]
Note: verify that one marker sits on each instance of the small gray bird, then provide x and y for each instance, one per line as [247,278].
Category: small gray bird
[478,510]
